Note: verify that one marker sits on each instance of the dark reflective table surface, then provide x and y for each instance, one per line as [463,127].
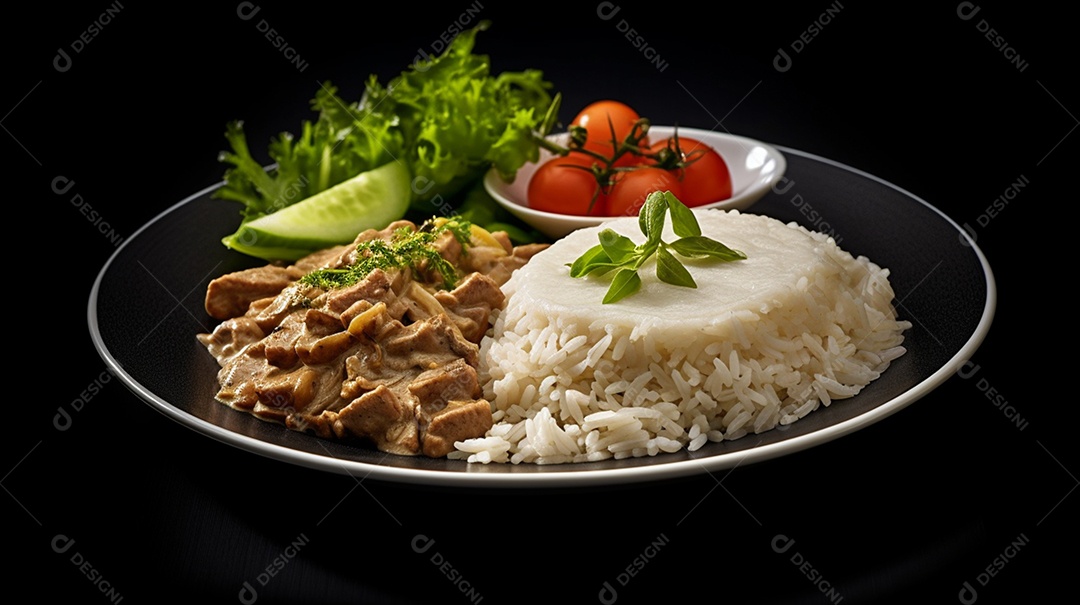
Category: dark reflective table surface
[115,115]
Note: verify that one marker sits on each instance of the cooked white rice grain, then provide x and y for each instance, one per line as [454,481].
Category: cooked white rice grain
[798,325]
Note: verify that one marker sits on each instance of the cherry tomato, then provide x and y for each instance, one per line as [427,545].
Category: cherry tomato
[565,185]
[607,121]
[627,194]
[706,178]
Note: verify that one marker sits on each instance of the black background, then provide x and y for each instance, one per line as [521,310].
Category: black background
[913,509]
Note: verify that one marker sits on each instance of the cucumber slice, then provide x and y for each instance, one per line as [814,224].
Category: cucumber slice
[370,200]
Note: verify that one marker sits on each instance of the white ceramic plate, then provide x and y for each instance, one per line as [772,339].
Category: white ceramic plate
[144,326]
[755,168]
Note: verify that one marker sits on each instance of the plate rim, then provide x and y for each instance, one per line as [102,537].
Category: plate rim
[652,472]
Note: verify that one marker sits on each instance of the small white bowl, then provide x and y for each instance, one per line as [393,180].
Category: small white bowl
[755,167]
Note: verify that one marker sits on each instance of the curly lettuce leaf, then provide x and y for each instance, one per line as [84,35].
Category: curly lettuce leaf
[448,118]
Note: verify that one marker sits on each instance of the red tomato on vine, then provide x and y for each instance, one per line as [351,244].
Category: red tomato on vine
[705,176]
[567,185]
[628,190]
[608,124]
[616,167]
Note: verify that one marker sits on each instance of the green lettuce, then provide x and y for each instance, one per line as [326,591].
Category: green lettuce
[448,118]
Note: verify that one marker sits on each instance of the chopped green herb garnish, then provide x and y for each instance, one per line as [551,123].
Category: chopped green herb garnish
[407,248]
[619,253]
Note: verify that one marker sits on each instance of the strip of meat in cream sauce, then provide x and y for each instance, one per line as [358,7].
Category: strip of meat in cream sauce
[390,360]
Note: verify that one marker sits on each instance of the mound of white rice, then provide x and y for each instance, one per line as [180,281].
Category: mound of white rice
[760,342]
